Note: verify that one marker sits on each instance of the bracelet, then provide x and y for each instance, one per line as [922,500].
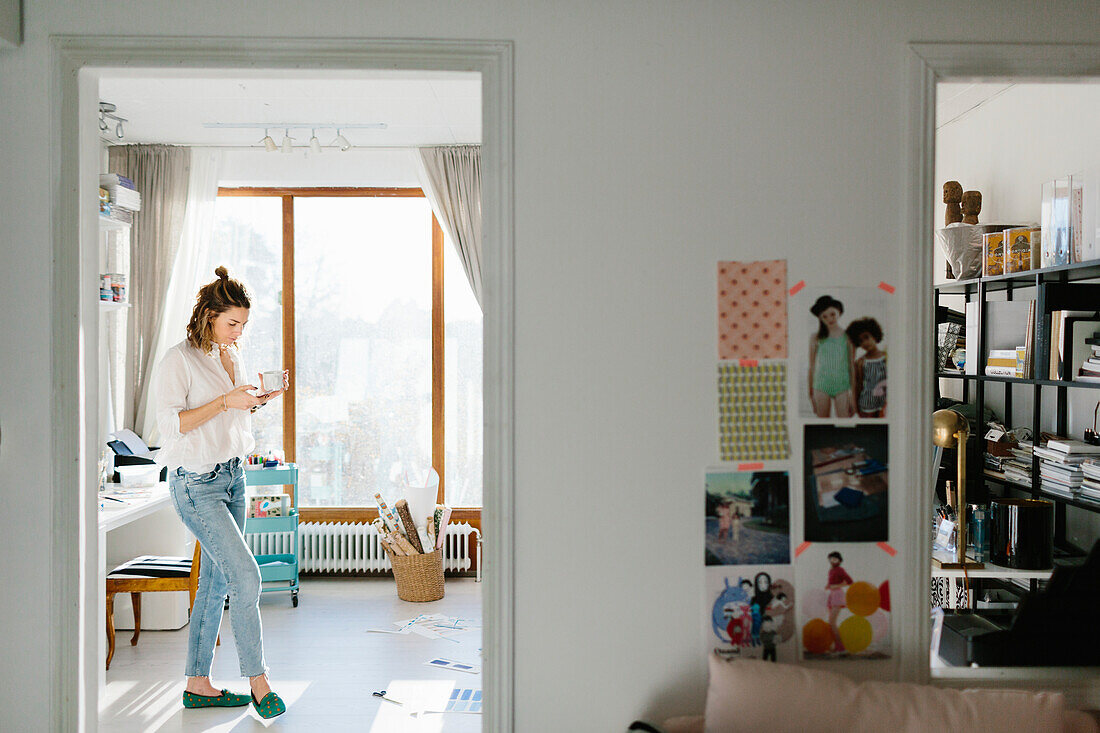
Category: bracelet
[225,407]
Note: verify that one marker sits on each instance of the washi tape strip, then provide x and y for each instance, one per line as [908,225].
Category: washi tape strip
[802,548]
[887,287]
[749,466]
[885,547]
[748,362]
[797,286]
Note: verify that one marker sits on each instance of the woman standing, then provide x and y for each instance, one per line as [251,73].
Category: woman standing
[203,412]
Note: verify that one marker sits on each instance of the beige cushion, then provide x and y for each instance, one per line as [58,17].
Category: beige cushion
[750,695]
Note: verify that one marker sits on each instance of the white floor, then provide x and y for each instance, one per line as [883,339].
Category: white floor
[324,664]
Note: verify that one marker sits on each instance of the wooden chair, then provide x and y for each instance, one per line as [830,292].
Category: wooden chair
[150,574]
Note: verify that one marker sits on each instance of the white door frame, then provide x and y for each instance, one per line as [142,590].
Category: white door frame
[74,322]
[928,64]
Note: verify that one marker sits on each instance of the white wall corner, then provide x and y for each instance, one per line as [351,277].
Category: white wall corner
[11,23]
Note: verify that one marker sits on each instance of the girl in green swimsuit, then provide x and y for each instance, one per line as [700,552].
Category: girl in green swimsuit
[831,373]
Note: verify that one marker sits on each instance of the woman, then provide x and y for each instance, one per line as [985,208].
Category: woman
[203,412]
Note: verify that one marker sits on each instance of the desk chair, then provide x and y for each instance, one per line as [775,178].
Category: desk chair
[150,574]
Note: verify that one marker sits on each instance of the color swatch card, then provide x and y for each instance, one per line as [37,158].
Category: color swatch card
[752,412]
[441,663]
[752,310]
[464,701]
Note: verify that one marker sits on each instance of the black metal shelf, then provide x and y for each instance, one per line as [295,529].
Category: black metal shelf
[1027,278]
[1015,380]
[1085,504]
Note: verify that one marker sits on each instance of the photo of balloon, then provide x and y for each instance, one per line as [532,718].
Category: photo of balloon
[844,608]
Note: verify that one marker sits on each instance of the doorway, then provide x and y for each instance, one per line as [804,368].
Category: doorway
[984,73]
[80,63]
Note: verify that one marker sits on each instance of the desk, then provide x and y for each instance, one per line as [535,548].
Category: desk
[955,577]
[145,525]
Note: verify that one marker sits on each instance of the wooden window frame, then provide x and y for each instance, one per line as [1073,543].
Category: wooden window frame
[287,195]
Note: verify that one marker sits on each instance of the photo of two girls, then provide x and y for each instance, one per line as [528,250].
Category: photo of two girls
[844,337]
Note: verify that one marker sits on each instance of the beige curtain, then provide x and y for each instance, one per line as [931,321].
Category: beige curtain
[160,173]
[451,179]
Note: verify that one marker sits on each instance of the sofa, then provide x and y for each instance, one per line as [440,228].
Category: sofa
[750,695]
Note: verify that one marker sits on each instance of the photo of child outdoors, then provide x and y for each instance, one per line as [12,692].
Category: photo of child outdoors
[846,353]
[747,517]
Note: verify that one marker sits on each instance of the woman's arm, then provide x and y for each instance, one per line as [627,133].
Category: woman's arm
[238,399]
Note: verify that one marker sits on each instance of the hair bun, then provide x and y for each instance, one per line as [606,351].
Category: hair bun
[222,272]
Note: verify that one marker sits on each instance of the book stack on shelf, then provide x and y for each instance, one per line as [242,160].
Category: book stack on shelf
[122,197]
[1090,482]
[1017,467]
[1090,368]
[1060,466]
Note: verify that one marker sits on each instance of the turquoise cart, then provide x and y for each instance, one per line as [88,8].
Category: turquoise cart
[281,568]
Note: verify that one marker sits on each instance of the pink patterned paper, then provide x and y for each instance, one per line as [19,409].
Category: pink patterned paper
[752,310]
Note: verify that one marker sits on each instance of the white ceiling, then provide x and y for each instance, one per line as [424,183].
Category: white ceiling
[418,108]
[955,100]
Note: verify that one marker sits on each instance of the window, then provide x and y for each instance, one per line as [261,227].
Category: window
[375,391]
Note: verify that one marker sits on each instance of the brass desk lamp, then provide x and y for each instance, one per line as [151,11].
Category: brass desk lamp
[951,430]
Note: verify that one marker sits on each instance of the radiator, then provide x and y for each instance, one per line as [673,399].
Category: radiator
[344,547]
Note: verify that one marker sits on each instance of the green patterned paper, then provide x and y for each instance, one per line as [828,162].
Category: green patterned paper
[752,412]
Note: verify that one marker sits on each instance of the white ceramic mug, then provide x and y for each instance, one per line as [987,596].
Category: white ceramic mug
[271,381]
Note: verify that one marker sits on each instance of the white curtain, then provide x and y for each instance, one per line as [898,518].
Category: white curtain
[198,230]
[451,178]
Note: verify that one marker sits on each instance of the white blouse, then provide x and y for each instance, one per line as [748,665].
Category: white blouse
[188,378]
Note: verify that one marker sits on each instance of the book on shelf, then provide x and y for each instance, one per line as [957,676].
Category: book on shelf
[1070,446]
[1000,371]
[108,180]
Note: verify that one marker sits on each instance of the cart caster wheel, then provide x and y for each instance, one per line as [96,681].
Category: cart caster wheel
[294,599]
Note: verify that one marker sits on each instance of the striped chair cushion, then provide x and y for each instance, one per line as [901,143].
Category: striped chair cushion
[153,566]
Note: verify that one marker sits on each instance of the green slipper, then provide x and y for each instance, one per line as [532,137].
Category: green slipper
[270,706]
[225,700]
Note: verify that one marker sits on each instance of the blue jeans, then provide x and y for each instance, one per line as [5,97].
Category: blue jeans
[212,506]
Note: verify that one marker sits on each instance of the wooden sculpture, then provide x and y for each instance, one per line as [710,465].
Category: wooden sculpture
[971,206]
[952,196]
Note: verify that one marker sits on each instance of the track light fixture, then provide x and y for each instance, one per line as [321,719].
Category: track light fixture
[341,141]
[106,110]
[287,145]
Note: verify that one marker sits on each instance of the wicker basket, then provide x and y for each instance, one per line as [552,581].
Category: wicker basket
[419,577]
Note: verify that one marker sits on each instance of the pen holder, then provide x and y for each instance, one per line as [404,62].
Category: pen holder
[419,577]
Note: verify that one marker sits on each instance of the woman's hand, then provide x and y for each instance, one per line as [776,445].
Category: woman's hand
[268,396]
[240,399]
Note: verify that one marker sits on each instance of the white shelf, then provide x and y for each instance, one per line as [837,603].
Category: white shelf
[989,571]
[111,305]
[107,222]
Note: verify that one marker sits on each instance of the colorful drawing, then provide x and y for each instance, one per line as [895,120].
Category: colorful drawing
[752,613]
[845,612]
[747,517]
[752,310]
[752,412]
[846,483]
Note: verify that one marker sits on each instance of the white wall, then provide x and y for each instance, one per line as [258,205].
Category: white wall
[1007,148]
[381,168]
[653,138]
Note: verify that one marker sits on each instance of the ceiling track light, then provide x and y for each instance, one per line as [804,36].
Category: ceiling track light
[341,141]
[106,112]
[314,143]
[268,143]
[288,145]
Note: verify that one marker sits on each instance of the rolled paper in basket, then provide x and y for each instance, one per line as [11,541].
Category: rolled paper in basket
[402,508]
[385,514]
[431,532]
[437,519]
[403,544]
[443,527]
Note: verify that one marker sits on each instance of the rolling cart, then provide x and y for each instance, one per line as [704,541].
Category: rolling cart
[279,568]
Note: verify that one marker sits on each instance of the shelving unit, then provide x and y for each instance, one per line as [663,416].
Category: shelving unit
[279,567]
[1065,287]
